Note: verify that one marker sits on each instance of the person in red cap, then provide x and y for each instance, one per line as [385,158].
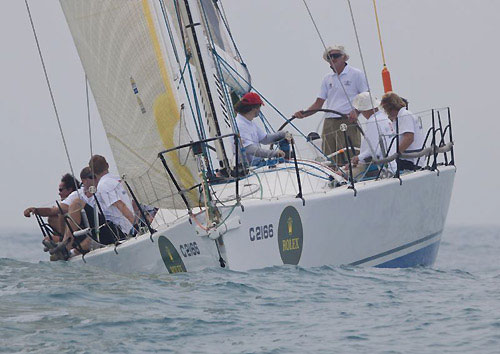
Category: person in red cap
[248,107]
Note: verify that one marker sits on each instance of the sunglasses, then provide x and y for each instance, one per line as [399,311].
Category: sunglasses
[334,55]
[61,189]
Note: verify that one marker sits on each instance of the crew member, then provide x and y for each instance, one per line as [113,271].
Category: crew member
[55,220]
[248,108]
[116,221]
[411,133]
[378,132]
[338,88]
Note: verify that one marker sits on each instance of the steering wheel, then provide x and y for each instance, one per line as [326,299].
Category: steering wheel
[312,111]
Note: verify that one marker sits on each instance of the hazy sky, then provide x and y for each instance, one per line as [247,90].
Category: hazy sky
[440,53]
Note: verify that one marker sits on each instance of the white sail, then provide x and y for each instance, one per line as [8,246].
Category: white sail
[235,74]
[219,71]
[129,70]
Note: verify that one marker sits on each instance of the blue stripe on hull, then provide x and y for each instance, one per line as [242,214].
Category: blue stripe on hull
[422,257]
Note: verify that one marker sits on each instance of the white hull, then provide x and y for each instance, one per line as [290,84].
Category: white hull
[385,224]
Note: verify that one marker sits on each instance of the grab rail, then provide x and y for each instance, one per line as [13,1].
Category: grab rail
[432,150]
[197,150]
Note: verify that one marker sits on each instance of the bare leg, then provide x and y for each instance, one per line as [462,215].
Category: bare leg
[85,245]
[74,211]
[62,224]
[55,224]
[47,241]
[74,221]
[53,221]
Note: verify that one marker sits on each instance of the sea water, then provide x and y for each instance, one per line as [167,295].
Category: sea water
[453,306]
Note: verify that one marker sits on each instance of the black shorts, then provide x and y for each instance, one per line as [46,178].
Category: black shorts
[109,233]
[405,165]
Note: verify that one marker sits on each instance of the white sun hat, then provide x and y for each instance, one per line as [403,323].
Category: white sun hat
[363,102]
[340,48]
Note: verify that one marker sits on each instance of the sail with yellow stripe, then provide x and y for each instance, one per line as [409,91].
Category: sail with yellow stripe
[131,74]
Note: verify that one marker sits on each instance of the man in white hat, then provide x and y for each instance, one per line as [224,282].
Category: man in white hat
[378,132]
[338,89]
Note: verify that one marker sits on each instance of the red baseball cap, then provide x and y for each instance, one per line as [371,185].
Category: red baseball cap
[251,98]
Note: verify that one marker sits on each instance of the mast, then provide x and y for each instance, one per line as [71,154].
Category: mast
[197,42]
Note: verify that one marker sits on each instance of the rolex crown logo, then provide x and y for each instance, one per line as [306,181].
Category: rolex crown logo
[290,225]
[170,254]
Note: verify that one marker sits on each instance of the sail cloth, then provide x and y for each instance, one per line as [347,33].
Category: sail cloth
[128,69]
[234,72]
[202,29]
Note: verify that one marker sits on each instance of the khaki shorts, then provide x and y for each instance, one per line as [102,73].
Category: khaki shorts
[333,138]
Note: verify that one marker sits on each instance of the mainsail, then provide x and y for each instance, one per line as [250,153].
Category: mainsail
[126,65]
[128,50]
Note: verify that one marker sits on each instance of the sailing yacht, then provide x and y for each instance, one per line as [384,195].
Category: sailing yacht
[165,75]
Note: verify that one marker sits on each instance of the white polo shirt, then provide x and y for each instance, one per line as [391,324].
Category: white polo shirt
[250,132]
[331,91]
[80,194]
[371,136]
[408,123]
[109,191]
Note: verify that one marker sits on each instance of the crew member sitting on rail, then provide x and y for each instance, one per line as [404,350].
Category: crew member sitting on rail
[116,206]
[248,108]
[74,203]
[377,134]
[82,193]
[411,133]
[55,220]
[112,197]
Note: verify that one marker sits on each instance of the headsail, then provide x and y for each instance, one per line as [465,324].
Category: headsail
[215,26]
[237,77]
[126,64]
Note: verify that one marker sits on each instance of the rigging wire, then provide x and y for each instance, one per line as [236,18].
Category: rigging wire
[378,29]
[324,47]
[88,118]
[197,117]
[226,24]
[273,107]
[231,117]
[93,188]
[381,143]
[340,81]
[386,76]
[187,55]
[215,56]
[51,93]
[181,69]
[174,48]
[335,71]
